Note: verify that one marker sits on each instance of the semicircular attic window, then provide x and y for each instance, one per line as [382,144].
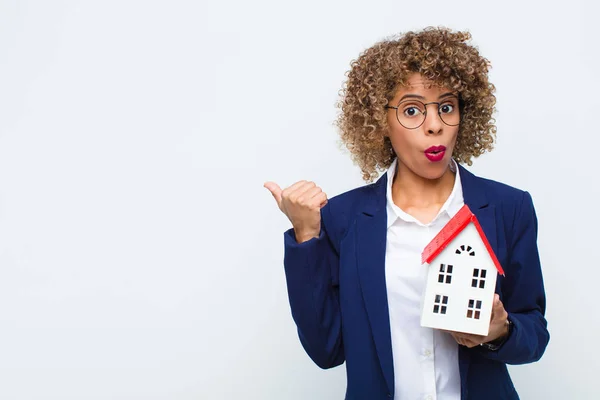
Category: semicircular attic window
[465,249]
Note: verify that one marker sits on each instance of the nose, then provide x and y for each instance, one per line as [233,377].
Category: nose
[433,123]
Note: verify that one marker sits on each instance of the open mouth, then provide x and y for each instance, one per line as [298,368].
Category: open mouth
[436,149]
[435,153]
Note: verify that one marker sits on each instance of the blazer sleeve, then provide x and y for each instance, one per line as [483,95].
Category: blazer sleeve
[312,275]
[523,293]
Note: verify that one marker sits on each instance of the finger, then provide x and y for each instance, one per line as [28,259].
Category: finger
[275,191]
[454,336]
[469,340]
[292,188]
[495,305]
[466,339]
[297,190]
[500,306]
[500,311]
[475,338]
[457,337]
[322,200]
[470,337]
[312,197]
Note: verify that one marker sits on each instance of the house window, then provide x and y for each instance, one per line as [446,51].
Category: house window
[439,306]
[478,278]
[474,309]
[467,249]
[445,275]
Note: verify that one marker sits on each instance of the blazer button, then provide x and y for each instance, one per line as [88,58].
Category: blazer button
[389,395]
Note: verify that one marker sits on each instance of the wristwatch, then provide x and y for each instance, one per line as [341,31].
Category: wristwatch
[494,345]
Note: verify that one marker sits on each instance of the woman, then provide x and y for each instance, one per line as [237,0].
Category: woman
[416,105]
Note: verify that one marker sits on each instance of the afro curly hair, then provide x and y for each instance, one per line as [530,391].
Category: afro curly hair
[441,56]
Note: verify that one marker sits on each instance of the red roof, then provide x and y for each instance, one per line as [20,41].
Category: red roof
[459,222]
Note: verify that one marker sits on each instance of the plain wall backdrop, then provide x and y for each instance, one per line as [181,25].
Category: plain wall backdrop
[140,256]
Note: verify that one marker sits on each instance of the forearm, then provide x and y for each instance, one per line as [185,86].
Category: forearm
[314,298]
[524,296]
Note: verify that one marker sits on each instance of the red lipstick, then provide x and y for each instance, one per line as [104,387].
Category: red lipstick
[435,153]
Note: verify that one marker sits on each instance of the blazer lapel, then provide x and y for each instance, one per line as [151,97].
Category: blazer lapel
[371,229]
[476,198]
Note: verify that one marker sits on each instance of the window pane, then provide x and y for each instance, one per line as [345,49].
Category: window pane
[436,309]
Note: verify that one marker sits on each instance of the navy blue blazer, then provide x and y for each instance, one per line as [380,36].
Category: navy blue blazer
[337,290]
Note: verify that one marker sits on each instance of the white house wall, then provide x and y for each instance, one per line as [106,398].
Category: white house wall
[460,291]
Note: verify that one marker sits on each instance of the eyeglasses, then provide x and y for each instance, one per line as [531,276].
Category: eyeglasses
[412,113]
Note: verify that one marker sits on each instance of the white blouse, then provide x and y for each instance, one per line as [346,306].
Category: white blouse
[425,359]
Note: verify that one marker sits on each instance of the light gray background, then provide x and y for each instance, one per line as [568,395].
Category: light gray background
[140,256]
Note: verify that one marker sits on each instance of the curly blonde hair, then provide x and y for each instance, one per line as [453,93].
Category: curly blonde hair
[441,56]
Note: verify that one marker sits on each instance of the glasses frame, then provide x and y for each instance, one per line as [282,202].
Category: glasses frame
[460,108]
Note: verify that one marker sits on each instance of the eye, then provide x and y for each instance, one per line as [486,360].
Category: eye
[412,111]
[446,108]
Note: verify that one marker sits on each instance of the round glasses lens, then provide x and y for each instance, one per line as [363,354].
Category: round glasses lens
[449,112]
[411,113]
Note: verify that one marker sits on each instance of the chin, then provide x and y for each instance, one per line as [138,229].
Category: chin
[426,169]
[435,171]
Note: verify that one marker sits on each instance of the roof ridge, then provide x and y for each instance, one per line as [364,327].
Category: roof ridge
[451,230]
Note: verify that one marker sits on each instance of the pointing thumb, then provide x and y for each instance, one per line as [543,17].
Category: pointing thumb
[275,191]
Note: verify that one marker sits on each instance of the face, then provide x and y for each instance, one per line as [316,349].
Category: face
[427,149]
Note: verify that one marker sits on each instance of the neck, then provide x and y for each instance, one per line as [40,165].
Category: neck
[410,190]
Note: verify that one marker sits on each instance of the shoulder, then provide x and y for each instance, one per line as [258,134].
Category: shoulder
[359,197]
[342,210]
[505,196]
[499,193]
[514,204]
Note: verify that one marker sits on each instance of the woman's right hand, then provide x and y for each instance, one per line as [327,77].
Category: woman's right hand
[301,203]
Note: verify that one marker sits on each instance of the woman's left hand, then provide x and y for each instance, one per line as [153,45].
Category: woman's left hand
[498,327]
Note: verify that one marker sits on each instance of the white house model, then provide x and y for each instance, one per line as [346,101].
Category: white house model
[461,279]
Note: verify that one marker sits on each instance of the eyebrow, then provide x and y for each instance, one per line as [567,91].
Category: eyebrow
[419,97]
